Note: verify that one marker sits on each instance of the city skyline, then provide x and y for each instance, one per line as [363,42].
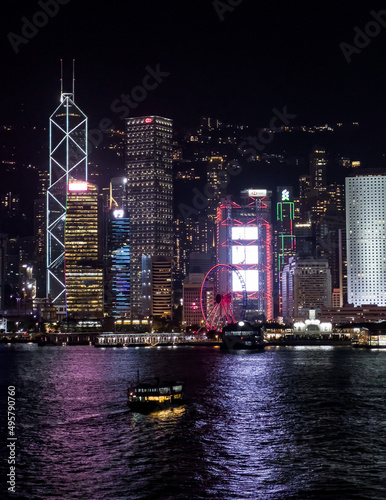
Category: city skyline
[148,151]
[280,119]
[193,249]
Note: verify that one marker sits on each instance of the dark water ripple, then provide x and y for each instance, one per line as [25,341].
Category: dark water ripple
[288,423]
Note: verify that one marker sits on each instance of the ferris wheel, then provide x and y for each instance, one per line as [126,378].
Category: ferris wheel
[220,304]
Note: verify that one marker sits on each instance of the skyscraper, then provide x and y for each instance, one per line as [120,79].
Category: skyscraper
[331,240]
[83,266]
[117,250]
[120,263]
[3,254]
[68,158]
[118,193]
[366,238]
[285,240]
[216,176]
[157,286]
[306,284]
[149,199]
[318,184]
[245,241]
[191,312]
[318,169]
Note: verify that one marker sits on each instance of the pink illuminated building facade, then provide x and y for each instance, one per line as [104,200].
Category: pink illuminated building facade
[244,240]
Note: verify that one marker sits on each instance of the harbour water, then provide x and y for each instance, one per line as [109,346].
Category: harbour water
[284,423]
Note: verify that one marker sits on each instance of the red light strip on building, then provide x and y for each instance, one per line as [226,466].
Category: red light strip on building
[269,273]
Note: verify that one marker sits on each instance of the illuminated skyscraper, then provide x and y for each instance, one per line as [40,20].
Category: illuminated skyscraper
[149,198]
[120,263]
[68,158]
[83,266]
[157,286]
[118,193]
[318,197]
[118,250]
[3,253]
[245,241]
[331,240]
[318,169]
[304,195]
[191,311]
[366,238]
[40,234]
[191,235]
[216,176]
[306,284]
[285,240]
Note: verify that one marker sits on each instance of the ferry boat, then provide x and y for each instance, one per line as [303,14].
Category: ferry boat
[146,397]
[242,335]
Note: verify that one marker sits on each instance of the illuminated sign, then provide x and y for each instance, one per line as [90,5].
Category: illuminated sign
[148,120]
[251,280]
[77,186]
[244,233]
[118,214]
[257,192]
[247,254]
[285,195]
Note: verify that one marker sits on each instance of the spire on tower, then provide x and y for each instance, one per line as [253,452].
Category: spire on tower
[73,77]
[63,95]
[61,79]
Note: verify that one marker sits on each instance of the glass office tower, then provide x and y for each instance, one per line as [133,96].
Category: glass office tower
[83,266]
[149,200]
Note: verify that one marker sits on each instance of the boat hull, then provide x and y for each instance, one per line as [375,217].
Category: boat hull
[150,407]
[231,343]
[241,336]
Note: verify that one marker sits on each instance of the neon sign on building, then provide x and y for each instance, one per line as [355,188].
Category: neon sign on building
[77,186]
[285,195]
[257,193]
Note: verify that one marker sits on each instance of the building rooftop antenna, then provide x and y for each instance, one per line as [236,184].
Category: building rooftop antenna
[61,80]
[63,94]
[73,77]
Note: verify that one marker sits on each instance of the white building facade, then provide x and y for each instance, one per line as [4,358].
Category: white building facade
[366,238]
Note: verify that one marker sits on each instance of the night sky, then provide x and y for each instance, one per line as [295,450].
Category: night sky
[259,56]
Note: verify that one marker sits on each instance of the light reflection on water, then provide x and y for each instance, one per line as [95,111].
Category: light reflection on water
[283,423]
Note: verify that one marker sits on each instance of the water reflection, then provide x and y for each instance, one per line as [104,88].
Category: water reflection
[169,415]
[280,424]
